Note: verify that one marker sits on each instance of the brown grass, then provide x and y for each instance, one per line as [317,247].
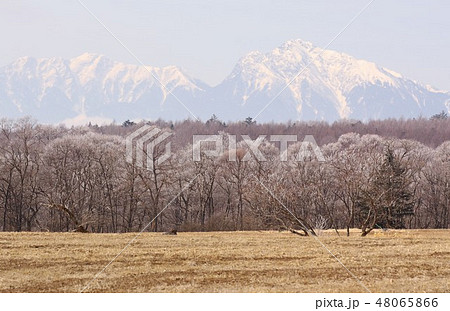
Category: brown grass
[393,261]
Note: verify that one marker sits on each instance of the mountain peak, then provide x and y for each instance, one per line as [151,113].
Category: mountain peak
[326,85]
[23,62]
[89,57]
[297,44]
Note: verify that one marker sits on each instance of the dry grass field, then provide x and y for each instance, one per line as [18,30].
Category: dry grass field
[393,261]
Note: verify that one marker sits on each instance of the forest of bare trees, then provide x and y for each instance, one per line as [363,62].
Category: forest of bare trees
[380,174]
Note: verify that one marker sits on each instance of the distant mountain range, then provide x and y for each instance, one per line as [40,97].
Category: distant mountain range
[331,86]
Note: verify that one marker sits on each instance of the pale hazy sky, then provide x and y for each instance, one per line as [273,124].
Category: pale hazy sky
[206,38]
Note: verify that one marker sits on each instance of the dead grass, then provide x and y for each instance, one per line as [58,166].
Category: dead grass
[393,261]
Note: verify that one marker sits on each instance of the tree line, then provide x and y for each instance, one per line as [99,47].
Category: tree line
[375,175]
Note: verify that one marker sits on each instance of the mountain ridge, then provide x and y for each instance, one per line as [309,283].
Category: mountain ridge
[300,80]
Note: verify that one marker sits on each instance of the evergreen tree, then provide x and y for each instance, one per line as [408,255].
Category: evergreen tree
[389,197]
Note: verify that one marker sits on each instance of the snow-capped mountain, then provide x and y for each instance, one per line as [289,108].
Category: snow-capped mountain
[55,89]
[302,81]
[295,81]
